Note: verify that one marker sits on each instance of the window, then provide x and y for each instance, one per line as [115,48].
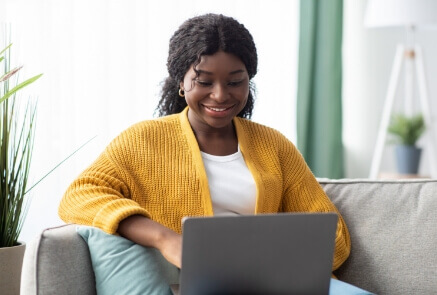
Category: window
[103,62]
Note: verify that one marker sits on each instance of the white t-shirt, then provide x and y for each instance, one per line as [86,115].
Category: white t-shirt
[232,187]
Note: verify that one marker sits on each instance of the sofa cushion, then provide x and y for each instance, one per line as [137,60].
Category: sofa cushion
[123,267]
[393,228]
[58,259]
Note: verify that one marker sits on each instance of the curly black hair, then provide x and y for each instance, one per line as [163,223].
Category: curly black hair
[205,35]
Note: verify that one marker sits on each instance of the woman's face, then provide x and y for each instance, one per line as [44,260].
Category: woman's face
[218,94]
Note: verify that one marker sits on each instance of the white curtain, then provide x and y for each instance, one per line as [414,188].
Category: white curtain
[103,62]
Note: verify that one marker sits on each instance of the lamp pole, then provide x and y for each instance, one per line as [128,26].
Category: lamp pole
[388,106]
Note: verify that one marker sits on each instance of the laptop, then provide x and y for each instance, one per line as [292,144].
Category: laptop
[284,253]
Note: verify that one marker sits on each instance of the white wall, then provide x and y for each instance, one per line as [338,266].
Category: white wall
[368,58]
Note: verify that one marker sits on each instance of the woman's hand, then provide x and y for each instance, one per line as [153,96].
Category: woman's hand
[171,248]
[149,233]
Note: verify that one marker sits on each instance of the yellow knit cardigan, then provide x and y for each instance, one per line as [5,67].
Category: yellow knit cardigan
[155,169]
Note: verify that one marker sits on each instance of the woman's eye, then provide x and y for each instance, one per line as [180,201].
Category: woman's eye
[203,83]
[235,83]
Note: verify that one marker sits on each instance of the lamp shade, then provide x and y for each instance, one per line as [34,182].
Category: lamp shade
[400,13]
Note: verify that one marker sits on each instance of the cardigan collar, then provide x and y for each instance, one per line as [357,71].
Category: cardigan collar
[186,126]
[245,148]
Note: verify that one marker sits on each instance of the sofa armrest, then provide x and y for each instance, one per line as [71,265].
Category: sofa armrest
[57,262]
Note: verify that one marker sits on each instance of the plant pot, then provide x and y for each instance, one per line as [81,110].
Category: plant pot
[408,159]
[11,261]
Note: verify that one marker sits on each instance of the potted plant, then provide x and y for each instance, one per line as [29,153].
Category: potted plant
[406,131]
[16,145]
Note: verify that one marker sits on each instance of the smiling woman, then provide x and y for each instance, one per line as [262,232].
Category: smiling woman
[219,93]
[203,157]
[104,62]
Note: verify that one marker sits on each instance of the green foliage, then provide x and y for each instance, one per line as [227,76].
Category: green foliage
[407,130]
[17,131]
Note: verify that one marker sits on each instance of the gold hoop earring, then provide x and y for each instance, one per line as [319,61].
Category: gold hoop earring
[181,92]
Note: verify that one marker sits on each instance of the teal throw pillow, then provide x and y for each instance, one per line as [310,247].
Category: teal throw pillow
[123,267]
[342,288]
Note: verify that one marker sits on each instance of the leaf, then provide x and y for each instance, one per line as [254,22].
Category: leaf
[3,51]
[10,74]
[19,86]
[60,163]
[407,130]
[7,47]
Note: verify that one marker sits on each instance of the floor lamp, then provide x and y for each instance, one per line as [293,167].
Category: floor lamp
[409,14]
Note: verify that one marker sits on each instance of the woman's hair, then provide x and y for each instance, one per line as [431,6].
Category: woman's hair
[205,35]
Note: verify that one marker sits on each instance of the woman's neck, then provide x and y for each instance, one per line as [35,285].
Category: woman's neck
[217,142]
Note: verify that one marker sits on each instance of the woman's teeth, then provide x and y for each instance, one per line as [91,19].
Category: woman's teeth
[217,109]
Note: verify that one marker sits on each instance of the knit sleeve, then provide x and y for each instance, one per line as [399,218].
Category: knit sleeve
[303,193]
[99,197]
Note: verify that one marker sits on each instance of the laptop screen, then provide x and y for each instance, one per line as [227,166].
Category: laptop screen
[284,253]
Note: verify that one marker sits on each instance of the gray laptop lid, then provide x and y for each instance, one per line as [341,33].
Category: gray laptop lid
[286,253]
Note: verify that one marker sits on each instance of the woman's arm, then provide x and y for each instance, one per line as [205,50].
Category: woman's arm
[308,196]
[149,233]
[303,193]
[99,197]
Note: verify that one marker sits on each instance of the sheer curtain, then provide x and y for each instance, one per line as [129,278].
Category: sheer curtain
[103,62]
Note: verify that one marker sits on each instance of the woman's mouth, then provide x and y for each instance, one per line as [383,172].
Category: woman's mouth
[218,111]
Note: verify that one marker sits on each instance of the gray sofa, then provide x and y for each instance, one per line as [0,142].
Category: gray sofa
[393,227]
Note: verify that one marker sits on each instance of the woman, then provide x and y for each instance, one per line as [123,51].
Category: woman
[202,157]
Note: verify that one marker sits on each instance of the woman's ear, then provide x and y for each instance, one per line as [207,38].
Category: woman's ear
[181,89]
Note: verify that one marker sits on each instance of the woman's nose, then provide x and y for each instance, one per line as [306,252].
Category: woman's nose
[220,93]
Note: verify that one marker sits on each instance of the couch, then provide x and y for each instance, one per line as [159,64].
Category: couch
[393,228]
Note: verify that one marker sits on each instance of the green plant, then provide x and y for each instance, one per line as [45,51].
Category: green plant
[407,130]
[16,145]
